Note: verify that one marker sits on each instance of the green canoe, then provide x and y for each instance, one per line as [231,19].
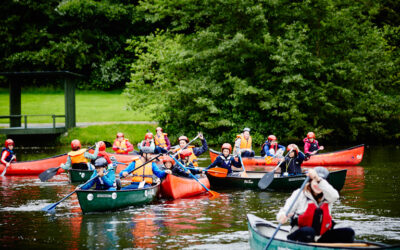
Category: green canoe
[98,200]
[261,232]
[79,176]
[288,183]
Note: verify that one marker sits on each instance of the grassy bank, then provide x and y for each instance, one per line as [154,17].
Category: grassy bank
[91,106]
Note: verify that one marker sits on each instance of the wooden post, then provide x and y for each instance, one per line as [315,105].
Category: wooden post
[69,86]
[15,102]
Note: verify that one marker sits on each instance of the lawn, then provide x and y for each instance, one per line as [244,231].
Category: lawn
[91,106]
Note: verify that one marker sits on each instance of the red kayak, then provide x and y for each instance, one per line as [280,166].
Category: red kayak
[36,167]
[347,157]
[176,187]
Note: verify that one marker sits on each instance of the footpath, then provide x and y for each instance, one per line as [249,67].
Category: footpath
[80,124]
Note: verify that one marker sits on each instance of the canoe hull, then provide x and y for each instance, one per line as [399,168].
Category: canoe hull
[99,201]
[347,157]
[261,231]
[81,176]
[175,187]
[335,178]
[36,167]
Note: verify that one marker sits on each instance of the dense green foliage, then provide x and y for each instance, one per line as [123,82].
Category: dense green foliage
[282,67]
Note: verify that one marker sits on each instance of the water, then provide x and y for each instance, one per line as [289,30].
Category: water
[369,203]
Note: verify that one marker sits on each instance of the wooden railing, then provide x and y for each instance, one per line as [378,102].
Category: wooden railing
[26,118]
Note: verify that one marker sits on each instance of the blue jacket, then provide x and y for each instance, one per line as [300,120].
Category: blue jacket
[226,163]
[11,153]
[159,173]
[103,183]
[292,165]
[199,150]
[266,147]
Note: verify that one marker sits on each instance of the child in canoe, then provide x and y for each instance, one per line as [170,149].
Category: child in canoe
[184,159]
[196,151]
[272,148]
[7,153]
[105,177]
[243,144]
[149,142]
[310,216]
[144,174]
[161,139]
[291,164]
[225,160]
[311,146]
[79,158]
[122,145]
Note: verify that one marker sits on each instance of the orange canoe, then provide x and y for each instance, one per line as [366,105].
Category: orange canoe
[347,157]
[176,187]
[36,167]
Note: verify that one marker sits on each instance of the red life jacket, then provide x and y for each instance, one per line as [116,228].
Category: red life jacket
[318,218]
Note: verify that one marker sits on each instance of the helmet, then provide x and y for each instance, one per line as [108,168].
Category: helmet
[102,146]
[246,129]
[146,150]
[100,162]
[322,172]
[167,158]
[148,136]
[75,144]
[271,138]
[310,135]
[292,147]
[185,153]
[9,142]
[159,128]
[183,138]
[226,145]
[119,134]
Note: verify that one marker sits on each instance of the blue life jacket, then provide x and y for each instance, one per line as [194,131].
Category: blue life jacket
[8,158]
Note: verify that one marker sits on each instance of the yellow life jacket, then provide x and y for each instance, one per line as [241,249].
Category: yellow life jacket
[122,145]
[160,140]
[145,173]
[192,157]
[78,156]
[245,144]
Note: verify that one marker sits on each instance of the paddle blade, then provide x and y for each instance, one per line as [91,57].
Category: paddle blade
[244,174]
[51,209]
[48,174]
[218,172]
[213,194]
[266,180]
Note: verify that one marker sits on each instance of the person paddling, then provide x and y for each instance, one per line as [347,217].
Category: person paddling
[145,173]
[196,151]
[105,177]
[272,148]
[122,145]
[310,216]
[243,144]
[225,160]
[7,153]
[292,162]
[311,146]
[149,142]
[79,158]
[161,139]
[184,156]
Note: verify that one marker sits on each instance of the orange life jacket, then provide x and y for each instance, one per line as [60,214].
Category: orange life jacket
[160,140]
[145,173]
[122,145]
[318,218]
[192,158]
[245,144]
[78,156]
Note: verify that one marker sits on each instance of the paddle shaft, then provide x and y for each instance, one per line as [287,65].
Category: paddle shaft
[268,177]
[288,211]
[208,170]
[241,161]
[5,170]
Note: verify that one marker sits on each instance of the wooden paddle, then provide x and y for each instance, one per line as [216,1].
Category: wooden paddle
[49,173]
[288,211]
[212,193]
[244,174]
[217,172]
[266,180]
[52,207]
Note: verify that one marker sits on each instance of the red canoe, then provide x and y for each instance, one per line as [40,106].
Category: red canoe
[176,187]
[347,157]
[38,166]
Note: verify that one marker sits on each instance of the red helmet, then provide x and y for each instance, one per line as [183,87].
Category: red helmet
[159,128]
[183,138]
[9,142]
[119,134]
[167,159]
[148,136]
[185,153]
[75,144]
[102,146]
[292,147]
[271,138]
[226,145]
[310,135]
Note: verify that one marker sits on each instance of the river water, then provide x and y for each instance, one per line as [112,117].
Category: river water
[369,203]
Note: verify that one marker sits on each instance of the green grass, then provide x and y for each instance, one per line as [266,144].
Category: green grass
[91,106]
